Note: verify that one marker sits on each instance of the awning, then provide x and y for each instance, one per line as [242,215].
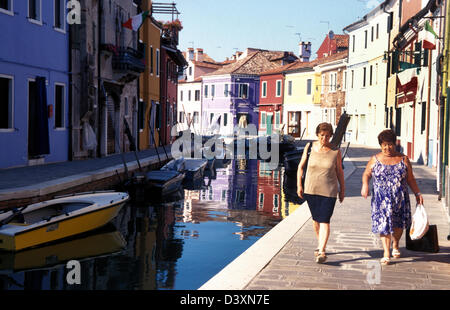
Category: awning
[407,82]
[175,55]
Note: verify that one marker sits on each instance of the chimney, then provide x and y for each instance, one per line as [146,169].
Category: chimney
[199,54]
[304,51]
[190,53]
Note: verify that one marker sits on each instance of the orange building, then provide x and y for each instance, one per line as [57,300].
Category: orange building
[149,82]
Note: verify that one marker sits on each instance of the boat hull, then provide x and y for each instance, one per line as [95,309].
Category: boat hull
[16,237]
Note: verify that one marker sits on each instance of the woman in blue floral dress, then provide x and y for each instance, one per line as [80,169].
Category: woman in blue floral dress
[391,209]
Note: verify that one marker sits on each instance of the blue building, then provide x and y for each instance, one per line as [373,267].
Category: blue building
[34,82]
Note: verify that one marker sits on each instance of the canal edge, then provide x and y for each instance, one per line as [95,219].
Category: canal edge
[243,269]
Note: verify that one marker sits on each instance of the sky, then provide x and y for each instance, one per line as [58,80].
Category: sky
[221,27]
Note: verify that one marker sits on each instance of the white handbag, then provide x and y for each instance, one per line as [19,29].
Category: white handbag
[419,226]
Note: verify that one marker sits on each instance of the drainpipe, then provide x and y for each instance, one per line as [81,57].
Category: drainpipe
[444,105]
[70,93]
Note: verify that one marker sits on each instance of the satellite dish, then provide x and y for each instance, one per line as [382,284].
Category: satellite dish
[331,34]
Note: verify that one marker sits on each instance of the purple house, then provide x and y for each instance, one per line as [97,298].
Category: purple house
[231,93]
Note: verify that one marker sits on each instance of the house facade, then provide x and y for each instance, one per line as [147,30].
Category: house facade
[231,94]
[413,104]
[270,105]
[34,83]
[301,106]
[366,75]
[172,63]
[190,89]
[332,71]
[149,82]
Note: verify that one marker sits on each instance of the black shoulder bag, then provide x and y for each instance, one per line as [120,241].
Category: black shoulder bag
[306,165]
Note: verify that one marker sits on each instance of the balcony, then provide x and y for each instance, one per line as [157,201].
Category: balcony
[128,59]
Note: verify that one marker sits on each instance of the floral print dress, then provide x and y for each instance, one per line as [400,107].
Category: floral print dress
[391,206]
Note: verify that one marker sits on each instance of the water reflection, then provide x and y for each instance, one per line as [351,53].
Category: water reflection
[173,245]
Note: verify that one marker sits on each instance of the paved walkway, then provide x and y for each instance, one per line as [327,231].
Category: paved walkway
[36,183]
[354,252]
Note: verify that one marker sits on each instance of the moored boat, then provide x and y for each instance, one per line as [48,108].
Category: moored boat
[58,218]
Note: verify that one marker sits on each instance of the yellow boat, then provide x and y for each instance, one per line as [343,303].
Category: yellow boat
[58,218]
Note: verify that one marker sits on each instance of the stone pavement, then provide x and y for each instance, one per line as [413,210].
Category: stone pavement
[354,252]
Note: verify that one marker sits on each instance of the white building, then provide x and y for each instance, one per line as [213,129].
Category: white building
[190,89]
[366,75]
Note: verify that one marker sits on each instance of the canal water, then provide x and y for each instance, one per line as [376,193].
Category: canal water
[177,245]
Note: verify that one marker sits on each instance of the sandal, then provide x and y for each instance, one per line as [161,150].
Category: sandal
[396,253]
[385,261]
[316,252]
[321,258]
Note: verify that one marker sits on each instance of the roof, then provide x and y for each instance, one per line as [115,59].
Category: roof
[254,63]
[333,57]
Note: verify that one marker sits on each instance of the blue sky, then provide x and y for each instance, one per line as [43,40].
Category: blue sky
[221,27]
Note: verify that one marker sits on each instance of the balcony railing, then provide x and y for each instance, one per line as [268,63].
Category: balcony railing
[128,59]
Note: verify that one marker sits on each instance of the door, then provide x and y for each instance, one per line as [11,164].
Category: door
[294,122]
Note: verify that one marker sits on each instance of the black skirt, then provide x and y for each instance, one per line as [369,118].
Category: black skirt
[321,207]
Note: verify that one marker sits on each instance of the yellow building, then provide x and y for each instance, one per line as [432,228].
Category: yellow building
[149,81]
[301,104]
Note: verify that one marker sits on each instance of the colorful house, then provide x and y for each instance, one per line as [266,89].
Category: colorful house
[190,89]
[332,71]
[149,82]
[34,82]
[231,94]
[172,62]
[301,106]
[271,100]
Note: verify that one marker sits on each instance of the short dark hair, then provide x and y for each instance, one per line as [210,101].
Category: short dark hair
[324,127]
[387,135]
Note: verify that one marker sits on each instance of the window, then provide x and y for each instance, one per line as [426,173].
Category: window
[59,106]
[277,119]
[34,10]
[151,60]
[378,31]
[263,119]
[59,10]
[180,118]
[6,102]
[190,71]
[157,62]
[365,38]
[213,90]
[226,92]
[333,78]
[141,115]
[264,89]
[370,74]
[353,43]
[308,86]
[197,95]
[181,95]
[6,7]
[196,118]
[364,77]
[353,78]
[424,117]
[189,95]
[243,91]
[206,91]
[278,93]
[371,34]
[290,88]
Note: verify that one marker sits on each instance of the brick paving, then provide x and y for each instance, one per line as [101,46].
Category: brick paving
[354,251]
